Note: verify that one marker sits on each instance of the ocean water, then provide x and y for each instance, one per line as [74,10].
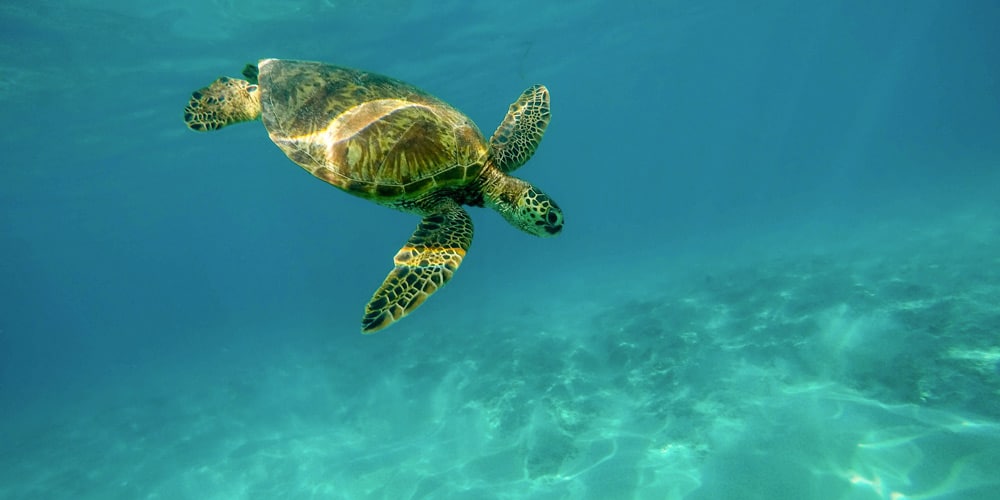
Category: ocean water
[779,275]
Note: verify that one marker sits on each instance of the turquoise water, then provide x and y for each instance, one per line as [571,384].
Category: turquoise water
[779,275]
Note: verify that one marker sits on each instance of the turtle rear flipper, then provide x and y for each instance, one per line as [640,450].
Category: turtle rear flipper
[521,131]
[424,264]
[225,102]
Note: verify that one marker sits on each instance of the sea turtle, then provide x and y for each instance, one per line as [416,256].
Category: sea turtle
[396,145]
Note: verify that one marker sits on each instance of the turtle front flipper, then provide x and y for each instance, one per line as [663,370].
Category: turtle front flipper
[521,131]
[225,102]
[424,264]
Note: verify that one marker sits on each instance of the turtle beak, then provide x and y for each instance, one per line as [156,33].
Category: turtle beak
[553,221]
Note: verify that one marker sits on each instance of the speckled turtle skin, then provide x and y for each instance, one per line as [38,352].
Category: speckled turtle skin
[391,143]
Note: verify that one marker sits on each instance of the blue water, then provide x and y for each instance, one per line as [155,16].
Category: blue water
[779,276]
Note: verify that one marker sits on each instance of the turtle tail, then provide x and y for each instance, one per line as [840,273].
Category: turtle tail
[225,102]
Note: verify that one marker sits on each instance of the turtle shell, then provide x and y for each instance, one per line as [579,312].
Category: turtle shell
[368,134]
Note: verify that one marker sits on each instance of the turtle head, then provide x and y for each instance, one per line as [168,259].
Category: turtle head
[225,102]
[537,214]
[525,206]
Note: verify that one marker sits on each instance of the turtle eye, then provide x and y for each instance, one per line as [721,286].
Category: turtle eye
[251,88]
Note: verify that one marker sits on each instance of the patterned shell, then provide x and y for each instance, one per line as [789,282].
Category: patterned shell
[370,135]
